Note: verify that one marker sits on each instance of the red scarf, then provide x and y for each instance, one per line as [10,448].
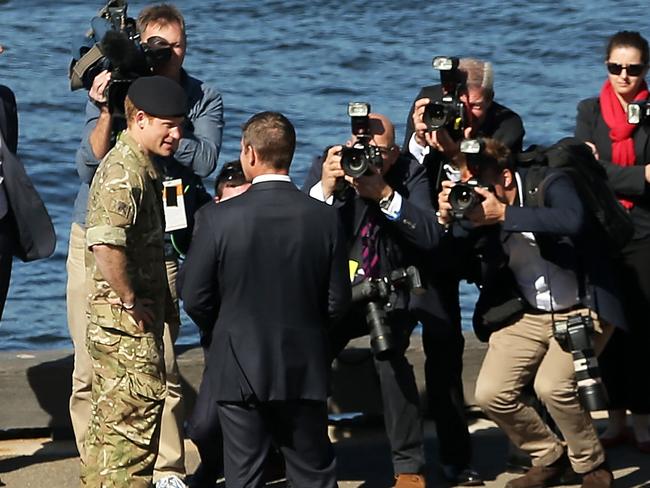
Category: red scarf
[620,131]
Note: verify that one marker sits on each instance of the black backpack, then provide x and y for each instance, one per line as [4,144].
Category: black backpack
[575,158]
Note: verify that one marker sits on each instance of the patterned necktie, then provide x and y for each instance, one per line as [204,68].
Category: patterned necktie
[369,248]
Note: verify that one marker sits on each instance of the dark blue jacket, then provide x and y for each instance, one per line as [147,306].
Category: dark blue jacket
[566,237]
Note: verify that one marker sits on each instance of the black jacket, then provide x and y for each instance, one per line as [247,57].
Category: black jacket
[9,118]
[268,272]
[408,240]
[565,237]
[628,182]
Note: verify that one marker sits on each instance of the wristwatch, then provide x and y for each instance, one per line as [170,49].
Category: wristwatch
[385,202]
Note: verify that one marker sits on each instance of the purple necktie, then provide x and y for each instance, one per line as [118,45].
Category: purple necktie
[369,248]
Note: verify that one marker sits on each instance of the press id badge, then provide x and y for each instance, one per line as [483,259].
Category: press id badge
[174,205]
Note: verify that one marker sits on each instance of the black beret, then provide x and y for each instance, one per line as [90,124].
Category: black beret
[158,96]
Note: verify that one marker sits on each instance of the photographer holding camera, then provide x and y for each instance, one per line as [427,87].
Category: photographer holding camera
[461,106]
[195,157]
[545,285]
[389,224]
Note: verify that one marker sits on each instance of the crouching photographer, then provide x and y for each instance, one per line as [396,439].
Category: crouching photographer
[389,223]
[547,299]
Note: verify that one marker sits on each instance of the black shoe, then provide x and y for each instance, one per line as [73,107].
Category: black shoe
[202,479]
[461,476]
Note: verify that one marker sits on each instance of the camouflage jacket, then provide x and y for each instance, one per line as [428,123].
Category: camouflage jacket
[125,210]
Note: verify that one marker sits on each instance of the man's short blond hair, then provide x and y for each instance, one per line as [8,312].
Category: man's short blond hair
[162,14]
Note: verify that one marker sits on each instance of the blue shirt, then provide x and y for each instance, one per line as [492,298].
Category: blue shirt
[198,149]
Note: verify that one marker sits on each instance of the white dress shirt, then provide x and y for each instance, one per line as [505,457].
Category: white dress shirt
[544,285]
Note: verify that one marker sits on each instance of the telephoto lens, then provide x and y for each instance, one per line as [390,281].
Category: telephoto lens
[381,336]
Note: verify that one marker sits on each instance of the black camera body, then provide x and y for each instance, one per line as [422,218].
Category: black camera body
[449,112]
[638,112]
[114,45]
[462,196]
[362,156]
[378,296]
[574,336]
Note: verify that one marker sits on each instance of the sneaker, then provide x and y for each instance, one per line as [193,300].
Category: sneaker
[172,481]
[601,477]
[410,480]
[543,476]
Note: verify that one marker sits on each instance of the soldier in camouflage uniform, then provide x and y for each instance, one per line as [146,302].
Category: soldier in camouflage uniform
[126,302]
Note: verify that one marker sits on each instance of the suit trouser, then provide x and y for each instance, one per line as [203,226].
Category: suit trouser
[6,258]
[205,431]
[171,455]
[297,427]
[624,362]
[402,418]
[526,350]
[443,343]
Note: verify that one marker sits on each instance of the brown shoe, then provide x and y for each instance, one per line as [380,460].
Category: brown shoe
[543,476]
[598,478]
[410,480]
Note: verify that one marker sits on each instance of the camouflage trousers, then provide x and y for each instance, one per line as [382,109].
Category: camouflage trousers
[128,392]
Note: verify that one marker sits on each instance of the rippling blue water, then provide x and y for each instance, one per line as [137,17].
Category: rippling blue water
[306,59]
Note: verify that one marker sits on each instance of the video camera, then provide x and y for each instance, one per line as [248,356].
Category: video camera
[448,112]
[462,196]
[574,336]
[113,44]
[379,294]
[638,112]
[358,159]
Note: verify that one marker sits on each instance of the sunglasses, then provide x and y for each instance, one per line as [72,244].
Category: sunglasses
[632,69]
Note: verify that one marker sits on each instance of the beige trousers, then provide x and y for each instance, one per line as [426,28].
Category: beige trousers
[515,355]
[171,451]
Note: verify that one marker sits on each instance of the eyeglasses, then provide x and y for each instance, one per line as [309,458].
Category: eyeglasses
[632,69]
[384,150]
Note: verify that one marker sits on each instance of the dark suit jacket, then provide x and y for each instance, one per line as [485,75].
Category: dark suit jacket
[564,236]
[268,271]
[9,118]
[411,238]
[628,182]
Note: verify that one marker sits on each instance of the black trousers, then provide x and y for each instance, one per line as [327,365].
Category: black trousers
[443,343]
[205,432]
[624,365]
[6,258]
[297,427]
[402,418]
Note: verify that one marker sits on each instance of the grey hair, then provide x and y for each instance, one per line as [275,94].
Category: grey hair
[479,75]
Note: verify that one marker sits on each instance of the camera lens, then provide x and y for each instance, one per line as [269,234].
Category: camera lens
[462,197]
[436,115]
[354,161]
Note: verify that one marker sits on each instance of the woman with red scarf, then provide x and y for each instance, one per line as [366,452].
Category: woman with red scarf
[624,150]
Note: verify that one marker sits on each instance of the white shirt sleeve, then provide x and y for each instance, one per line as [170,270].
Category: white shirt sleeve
[395,208]
[317,193]
[418,152]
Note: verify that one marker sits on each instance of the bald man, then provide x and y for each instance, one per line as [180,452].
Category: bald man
[389,223]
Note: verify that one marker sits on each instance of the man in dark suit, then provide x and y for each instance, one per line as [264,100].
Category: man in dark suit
[387,214]
[538,265]
[442,334]
[267,272]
